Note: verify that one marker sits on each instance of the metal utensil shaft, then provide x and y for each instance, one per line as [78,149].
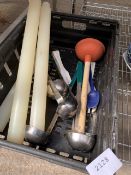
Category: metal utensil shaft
[53,122]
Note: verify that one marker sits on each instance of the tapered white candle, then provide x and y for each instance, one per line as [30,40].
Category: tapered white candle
[37,118]
[5,109]
[16,131]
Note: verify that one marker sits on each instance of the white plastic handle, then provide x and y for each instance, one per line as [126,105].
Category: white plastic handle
[64,73]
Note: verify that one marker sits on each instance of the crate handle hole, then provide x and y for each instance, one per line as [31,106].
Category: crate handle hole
[74,25]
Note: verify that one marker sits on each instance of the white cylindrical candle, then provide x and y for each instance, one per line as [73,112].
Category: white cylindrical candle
[16,131]
[5,109]
[38,109]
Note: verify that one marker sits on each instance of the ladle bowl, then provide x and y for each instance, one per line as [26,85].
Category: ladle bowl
[68,106]
[60,86]
[93,99]
[82,142]
[35,136]
[94,95]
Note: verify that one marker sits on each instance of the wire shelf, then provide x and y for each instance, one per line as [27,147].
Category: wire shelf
[123,15]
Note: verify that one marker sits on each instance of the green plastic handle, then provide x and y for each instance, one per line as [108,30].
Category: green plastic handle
[78,75]
[74,78]
[80,72]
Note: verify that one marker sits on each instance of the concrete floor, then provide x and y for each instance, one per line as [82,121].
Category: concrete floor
[9,10]
[13,163]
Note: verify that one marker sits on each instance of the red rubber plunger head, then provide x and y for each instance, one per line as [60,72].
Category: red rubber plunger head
[89,46]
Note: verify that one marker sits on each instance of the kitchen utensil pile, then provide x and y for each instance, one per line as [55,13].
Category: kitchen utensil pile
[75,96]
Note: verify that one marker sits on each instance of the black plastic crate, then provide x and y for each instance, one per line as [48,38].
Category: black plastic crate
[66,31]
